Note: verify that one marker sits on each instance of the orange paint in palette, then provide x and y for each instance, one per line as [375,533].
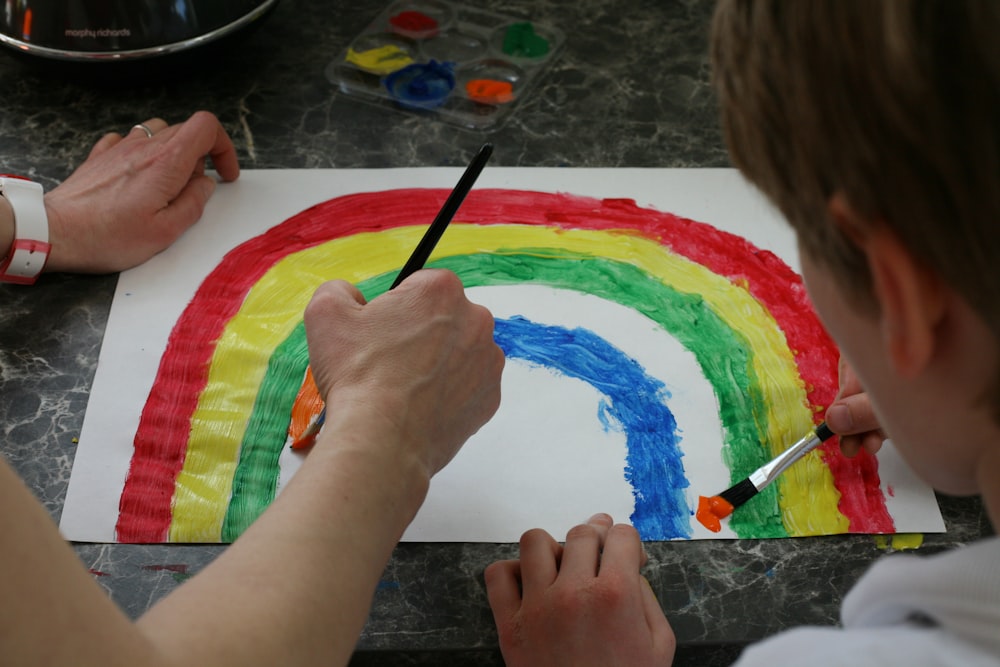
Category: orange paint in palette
[463,65]
[490,91]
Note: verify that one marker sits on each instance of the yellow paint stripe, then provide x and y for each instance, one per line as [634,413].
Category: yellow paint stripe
[274,306]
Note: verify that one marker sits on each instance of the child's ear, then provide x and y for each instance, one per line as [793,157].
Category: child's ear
[911,298]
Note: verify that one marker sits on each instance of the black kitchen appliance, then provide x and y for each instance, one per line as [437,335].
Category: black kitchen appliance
[122,30]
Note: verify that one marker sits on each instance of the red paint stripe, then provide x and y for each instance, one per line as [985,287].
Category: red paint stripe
[161,438]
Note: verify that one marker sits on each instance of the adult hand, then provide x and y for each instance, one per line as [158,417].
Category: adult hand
[418,365]
[852,417]
[134,195]
[581,604]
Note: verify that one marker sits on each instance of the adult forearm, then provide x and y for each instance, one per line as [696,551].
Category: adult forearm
[297,586]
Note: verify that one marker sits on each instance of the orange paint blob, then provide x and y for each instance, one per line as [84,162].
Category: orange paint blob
[712,510]
[490,91]
[307,407]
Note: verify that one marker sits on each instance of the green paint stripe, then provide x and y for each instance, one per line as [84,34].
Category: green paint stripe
[723,354]
[255,481]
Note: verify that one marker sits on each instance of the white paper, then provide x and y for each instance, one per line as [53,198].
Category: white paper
[545,460]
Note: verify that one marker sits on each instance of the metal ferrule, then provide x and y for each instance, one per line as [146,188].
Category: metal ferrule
[769,472]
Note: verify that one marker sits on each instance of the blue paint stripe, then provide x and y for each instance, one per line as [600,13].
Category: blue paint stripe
[633,399]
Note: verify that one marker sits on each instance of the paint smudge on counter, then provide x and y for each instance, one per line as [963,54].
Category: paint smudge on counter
[899,541]
[178,572]
[172,567]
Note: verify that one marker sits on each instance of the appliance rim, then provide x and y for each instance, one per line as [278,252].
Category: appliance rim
[137,54]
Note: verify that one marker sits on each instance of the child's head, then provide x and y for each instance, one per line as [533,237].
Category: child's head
[892,106]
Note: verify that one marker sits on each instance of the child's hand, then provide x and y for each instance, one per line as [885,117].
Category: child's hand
[852,417]
[581,604]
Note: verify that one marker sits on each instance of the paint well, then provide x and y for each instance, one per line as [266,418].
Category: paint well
[380,60]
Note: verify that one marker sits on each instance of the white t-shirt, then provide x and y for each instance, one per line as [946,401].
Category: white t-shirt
[907,610]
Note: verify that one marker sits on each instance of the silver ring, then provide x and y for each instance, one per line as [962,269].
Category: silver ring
[144,128]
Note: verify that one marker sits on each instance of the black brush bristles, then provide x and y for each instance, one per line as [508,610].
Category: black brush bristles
[823,432]
[739,493]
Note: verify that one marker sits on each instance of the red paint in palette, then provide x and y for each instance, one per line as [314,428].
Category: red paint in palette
[414,24]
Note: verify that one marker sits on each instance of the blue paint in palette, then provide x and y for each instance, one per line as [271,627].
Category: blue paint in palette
[422,85]
[633,400]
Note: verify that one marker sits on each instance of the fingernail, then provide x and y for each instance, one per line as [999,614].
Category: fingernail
[600,517]
[838,418]
[209,185]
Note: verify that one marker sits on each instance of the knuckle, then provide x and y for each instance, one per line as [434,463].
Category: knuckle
[492,571]
[322,298]
[624,531]
[484,317]
[611,593]
[441,279]
[500,571]
[202,116]
[535,537]
[582,531]
[510,631]
[567,601]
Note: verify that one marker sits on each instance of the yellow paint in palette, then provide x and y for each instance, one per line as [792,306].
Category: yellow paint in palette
[381,60]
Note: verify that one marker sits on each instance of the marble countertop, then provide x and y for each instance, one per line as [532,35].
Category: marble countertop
[630,89]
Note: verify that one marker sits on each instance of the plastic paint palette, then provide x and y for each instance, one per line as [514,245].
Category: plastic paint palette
[464,65]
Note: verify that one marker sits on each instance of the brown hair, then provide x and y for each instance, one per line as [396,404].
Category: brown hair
[893,104]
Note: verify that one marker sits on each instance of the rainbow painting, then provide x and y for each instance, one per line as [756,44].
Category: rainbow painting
[610,314]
